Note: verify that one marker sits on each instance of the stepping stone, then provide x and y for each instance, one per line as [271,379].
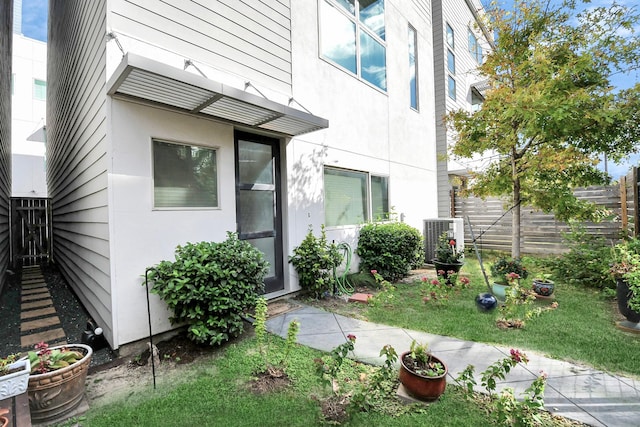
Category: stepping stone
[360,297]
[34,286]
[46,322]
[29,291]
[36,304]
[37,296]
[46,336]
[37,313]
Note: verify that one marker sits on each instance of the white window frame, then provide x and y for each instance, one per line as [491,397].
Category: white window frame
[36,89]
[190,145]
[368,194]
[413,68]
[360,28]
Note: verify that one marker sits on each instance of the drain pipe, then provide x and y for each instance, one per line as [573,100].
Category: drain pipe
[153,362]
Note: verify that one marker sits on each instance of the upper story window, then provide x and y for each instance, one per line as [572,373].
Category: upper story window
[413,67]
[451,88]
[353,37]
[184,176]
[450,38]
[451,62]
[474,47]
[39,89]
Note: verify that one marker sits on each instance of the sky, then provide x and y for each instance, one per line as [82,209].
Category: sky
[34,25]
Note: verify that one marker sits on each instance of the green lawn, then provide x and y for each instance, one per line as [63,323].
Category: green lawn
[581,329]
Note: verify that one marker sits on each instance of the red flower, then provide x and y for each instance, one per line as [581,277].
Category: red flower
[351,337]
[464,280]
[435,282]
[452,242]
[518,356]
[374,271]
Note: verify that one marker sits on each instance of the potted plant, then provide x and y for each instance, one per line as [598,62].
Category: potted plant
[448,257]
[502,272]
[56,383]
[14,376]
[422,374]
[543,286]
[626,271]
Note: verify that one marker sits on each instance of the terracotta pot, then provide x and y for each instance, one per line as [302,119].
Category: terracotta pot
[419,386]
[55,394]
[623,294]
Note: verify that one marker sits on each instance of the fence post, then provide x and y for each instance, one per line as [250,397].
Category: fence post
[624,218]
[636,211]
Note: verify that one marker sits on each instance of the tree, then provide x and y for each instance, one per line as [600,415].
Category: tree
[551,110]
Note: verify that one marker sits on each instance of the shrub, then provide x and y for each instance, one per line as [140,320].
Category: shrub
[315,261]
[210,285]
[392,249]
[504,266]
[586,263]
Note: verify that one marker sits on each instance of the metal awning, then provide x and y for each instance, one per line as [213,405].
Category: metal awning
[481,87]
[157,83]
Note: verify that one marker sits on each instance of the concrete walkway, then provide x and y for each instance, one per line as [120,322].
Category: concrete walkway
[578,392]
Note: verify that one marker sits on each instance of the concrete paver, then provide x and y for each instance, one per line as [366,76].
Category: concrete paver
[573,391]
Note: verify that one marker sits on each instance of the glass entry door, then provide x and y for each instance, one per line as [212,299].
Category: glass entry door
[258,206]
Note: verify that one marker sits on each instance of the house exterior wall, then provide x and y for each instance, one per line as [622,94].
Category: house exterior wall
[143,236]
[78,153]
[460,16]
[6,22]
[28,115]
[370,130]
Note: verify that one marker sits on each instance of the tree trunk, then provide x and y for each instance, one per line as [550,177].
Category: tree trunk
[515,213]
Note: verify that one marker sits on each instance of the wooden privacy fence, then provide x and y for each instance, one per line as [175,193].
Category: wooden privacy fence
[541,233]
[30,231]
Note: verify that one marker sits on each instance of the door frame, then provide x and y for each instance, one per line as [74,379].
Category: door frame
[277,282]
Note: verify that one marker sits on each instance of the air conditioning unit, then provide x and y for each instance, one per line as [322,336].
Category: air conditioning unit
[433,228]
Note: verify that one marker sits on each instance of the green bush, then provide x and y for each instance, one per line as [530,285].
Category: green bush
[586,263]
[210,285]
[391,248]
[314,261]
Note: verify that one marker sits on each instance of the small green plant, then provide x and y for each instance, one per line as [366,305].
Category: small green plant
[508,410]
[210,286]
[446,250]
[626,266]
[263,339]
[386,295]
[6,362]
[519,305]
[314,261]
[46,360]
[390,248]
[327,367]
[438,290]
[504,266]
[379,386]
[419,361]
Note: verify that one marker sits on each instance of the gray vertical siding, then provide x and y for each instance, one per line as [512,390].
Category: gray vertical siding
[440,92]
[77,151]
[247,38]
[6,19]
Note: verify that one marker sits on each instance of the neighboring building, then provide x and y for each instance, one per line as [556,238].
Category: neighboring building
[28,107]
[146,153]
[6,23]
[460,43]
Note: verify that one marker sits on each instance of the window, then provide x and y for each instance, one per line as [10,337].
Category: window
[353,37]
[352,197]
[184,176]
[474,47]
[39,89]
[452,88]
[413,68]
[451,62]
[450,39]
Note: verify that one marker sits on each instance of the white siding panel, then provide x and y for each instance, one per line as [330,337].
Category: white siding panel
[251,39]
[77,161]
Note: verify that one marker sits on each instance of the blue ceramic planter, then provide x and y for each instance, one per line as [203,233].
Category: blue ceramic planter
[486,302]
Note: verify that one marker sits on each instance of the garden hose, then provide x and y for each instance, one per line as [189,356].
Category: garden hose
[342,282]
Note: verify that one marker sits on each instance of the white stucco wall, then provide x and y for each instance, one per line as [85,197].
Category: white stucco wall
[27,116]
[141,236]
[369,130]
